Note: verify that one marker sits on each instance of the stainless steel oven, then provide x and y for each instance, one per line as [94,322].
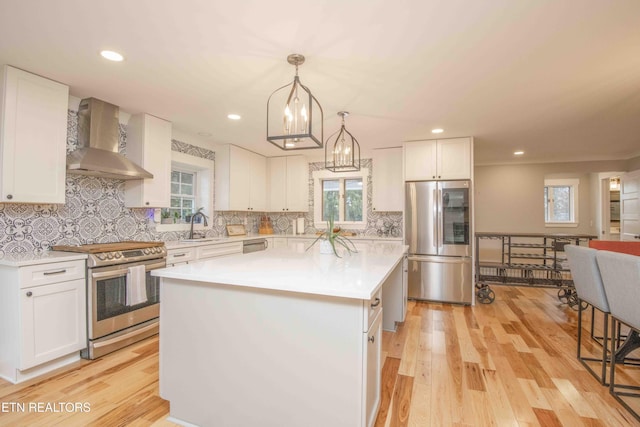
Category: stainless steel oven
[123,299]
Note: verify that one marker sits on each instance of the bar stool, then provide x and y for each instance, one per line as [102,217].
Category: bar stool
[589,288]
[621,278]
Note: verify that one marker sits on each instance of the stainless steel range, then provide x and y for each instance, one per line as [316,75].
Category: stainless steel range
[123,299]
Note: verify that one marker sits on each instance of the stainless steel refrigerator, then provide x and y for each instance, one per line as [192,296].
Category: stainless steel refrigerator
[438,232]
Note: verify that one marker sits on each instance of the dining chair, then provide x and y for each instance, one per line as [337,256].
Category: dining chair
[589,288]
[621,279]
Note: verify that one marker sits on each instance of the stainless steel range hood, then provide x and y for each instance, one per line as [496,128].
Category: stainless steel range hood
[98,137]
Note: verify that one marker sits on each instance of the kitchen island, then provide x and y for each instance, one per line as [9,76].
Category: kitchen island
[283,337]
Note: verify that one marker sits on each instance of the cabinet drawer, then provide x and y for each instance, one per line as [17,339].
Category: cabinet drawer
[175,256]
[212,251]
[45,274]
[372,308]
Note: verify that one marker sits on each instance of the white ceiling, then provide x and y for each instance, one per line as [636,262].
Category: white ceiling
[558,79]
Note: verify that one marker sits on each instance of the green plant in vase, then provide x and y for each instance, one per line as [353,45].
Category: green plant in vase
[333,237]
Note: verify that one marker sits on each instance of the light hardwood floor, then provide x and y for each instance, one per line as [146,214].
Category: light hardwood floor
[510,363]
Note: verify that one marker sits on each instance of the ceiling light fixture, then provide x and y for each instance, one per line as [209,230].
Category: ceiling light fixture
[437,130]
[112,56]
[294,116]
[234,116]
[345,152]
[518,153]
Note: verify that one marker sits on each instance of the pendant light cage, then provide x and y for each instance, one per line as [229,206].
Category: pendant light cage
[294,115]
[343,155]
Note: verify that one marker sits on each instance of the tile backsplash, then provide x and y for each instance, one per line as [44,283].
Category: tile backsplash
[94,211]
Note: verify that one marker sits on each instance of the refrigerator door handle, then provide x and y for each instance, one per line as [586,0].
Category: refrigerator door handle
[438,259]
[436,239]
[440,222]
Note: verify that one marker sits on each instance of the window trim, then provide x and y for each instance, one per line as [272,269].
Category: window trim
[204,189]
[574,183]
[320,175]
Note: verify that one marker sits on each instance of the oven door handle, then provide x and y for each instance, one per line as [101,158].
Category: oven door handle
[110,273]
[122,271]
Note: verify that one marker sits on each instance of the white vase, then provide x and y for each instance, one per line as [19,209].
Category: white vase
[325,247]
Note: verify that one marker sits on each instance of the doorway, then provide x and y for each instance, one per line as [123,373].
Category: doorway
[608,211]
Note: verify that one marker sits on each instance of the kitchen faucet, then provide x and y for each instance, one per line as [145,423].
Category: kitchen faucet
[193,217]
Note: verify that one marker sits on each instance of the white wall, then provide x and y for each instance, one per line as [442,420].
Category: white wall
[509,198]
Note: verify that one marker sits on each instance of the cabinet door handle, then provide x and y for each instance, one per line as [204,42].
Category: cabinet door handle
[372,338]
[9,196]
[29,293]
[179,255]
[377,303]
[49,273]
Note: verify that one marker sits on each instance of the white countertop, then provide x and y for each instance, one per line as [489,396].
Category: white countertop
[21,260]
[178,244]
[293,269]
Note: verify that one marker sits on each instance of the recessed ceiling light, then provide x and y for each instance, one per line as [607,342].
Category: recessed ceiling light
[111,55]
[518,153]
[437,130]
[234,116]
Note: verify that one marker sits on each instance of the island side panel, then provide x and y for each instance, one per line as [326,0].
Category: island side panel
[245,356]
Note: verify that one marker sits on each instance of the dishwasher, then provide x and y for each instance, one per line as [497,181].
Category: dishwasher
[254,245]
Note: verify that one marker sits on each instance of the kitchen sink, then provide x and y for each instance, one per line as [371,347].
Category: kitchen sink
[205,239]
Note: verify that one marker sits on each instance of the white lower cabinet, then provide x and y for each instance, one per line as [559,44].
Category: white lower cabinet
[279,242]
[221,249]
[373,367]
[179,256]
[43,319]
[52,321]
[188,255]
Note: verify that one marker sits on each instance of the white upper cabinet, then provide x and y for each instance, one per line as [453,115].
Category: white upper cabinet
[149,145]
[33,137]
[386,179]
[288,184]
[438,159]
[240,183]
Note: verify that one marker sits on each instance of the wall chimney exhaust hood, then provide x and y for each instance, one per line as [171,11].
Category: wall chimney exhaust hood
[98,138]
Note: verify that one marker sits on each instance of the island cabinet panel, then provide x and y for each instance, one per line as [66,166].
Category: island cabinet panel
[284,359]
[33,138]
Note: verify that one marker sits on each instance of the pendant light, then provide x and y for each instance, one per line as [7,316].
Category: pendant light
[344,154]
[294,116]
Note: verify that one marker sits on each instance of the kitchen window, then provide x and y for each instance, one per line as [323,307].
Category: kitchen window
[341,195]
[183,195]
[561,202]
[191,188]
